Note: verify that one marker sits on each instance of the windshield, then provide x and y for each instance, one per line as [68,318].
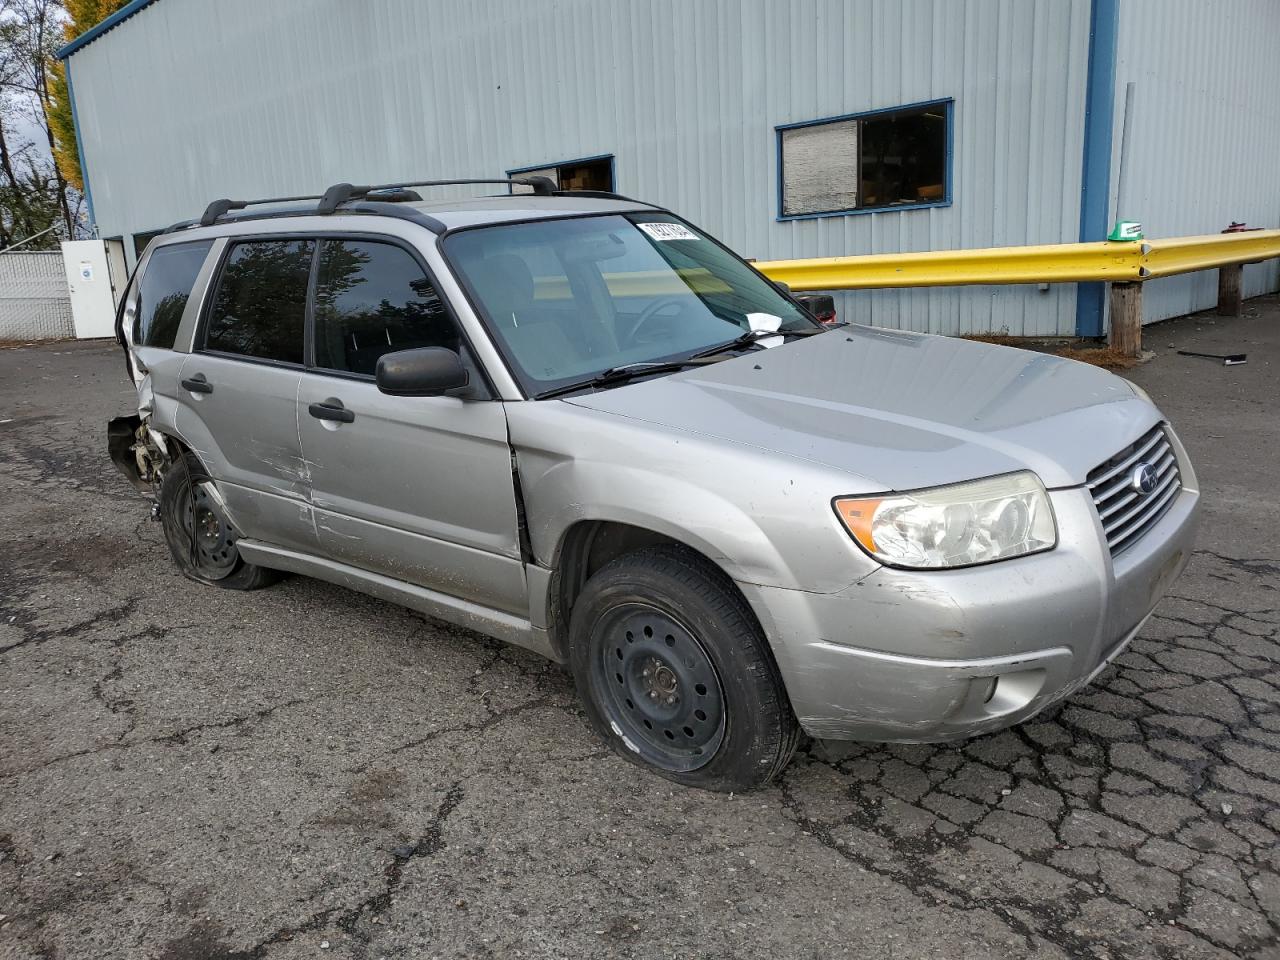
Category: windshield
[569,299]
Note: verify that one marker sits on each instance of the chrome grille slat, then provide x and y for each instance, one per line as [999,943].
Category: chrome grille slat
[1129,459]
[1126,514]
[1121,486]
[1162,472]
[1140,507]
[1142,524]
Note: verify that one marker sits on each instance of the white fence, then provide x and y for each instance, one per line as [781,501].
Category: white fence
[34,301]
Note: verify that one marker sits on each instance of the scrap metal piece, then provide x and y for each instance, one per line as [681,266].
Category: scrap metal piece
[1228,359]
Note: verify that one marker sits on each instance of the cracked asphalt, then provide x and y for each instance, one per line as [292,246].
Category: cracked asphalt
[195,774]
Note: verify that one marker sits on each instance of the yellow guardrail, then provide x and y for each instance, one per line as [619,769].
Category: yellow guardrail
[1189,254]
[1118,262]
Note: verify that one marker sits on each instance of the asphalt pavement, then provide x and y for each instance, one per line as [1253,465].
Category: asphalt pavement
[188,773]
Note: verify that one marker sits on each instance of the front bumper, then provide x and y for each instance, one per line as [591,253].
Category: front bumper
[915,656]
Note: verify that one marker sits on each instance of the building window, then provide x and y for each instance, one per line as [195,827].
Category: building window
[880,160]
[592,173]
[140,241]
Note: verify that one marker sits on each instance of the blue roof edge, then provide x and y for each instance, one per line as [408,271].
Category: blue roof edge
[117,18]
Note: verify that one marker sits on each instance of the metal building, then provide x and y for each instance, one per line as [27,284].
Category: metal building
[944,123]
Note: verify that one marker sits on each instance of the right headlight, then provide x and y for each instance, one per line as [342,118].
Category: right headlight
[953,526]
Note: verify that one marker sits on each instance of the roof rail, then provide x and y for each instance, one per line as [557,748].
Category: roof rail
[224,206]
[598,194]
[341,193]
[542,186]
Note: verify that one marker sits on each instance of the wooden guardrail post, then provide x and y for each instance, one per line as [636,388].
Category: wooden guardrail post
[1230,289]
[1126,318]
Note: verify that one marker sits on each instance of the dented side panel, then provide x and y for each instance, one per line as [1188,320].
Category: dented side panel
[416,488]
[246,433]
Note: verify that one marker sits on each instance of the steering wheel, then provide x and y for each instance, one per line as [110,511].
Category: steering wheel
[651,312]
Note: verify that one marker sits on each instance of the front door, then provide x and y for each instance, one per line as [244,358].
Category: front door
[237,393]
[416,488]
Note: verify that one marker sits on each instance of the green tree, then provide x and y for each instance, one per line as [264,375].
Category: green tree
[35,200]
[82,15]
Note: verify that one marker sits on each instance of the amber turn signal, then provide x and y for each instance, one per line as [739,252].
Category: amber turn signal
[856,515]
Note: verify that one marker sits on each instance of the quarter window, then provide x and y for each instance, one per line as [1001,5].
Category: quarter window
[888,159]
[373,298]
[261,304]
[165,288]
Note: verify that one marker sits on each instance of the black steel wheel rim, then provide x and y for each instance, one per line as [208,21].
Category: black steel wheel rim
[212,541]
[658,687]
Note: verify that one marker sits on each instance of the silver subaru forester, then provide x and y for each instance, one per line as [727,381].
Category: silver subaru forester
[579,424]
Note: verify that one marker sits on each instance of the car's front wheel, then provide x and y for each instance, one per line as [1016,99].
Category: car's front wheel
[676,674]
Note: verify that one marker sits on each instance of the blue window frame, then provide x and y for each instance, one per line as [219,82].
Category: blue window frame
[897,158]
[585,173]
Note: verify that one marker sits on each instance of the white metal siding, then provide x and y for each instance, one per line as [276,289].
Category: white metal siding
[190,100]
[1205,131]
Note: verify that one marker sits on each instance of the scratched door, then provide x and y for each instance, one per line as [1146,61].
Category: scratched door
[237,392]
[415,488]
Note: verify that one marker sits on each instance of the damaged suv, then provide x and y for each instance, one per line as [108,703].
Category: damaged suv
[579,424]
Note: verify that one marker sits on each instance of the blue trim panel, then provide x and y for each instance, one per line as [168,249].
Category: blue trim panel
[947,103]
[117,18]
[613,167]
[75,125]
[1095,175]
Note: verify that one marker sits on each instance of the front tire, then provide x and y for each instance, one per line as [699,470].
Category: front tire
[677,676]
[199,533]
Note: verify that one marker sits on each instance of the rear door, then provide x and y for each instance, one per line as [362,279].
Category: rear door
[416,488]
[238,389]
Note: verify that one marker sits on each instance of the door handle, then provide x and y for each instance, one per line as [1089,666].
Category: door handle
[331,409]
[197,384]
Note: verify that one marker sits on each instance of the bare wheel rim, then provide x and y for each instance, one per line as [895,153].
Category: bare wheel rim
[658,687]
[206,531]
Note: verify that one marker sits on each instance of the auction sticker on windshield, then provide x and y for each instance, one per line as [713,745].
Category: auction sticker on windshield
[668,231]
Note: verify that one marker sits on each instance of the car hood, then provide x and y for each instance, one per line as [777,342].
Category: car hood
[898,410]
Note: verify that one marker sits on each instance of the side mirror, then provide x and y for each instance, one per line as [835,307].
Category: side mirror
[821,305]
[423,372]
[783,288]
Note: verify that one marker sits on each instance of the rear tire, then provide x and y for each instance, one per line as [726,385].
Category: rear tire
[677,676]
[187,500]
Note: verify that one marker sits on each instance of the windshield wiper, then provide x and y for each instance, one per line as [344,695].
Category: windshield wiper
[755,336]
[629,371]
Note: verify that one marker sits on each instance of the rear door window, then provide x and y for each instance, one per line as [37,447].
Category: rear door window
[260,306]
[165,288]
[374,298]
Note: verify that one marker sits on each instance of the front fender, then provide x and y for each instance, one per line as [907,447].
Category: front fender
[763,518]
[570,491]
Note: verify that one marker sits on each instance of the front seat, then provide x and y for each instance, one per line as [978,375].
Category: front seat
[506,287]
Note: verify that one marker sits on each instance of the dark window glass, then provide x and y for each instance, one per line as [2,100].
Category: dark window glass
[164,291]
[904,158]
[373,298]
[890,159]
[261,303]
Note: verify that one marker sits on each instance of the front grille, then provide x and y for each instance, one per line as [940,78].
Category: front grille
[1125,513]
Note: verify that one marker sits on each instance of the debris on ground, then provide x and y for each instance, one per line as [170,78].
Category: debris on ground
[1228,359]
